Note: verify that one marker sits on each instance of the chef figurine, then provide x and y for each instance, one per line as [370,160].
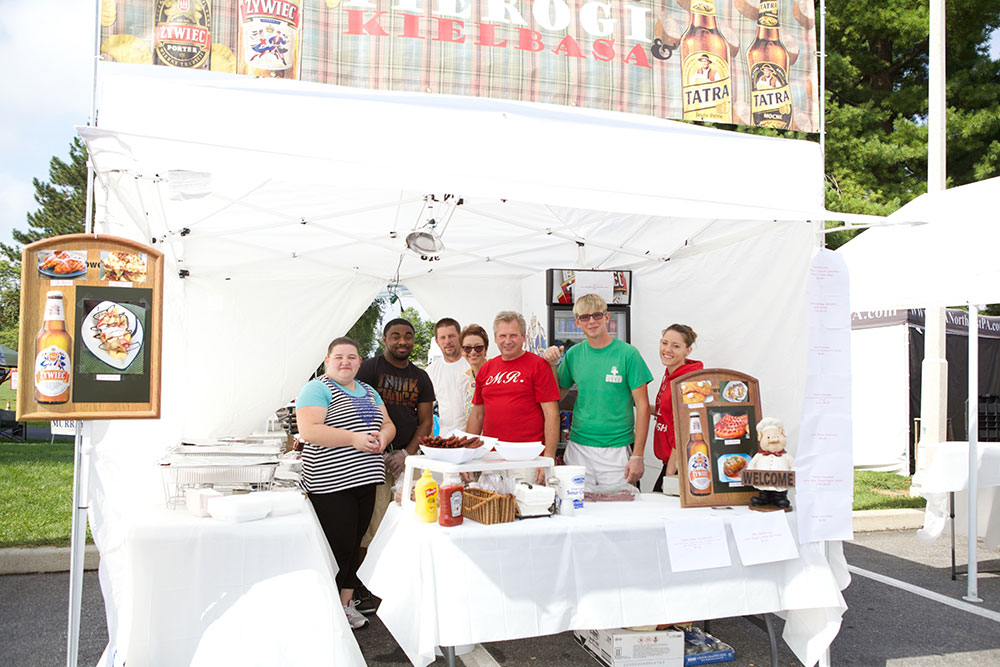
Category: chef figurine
[771,455]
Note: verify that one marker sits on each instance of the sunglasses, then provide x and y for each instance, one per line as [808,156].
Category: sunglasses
[473,348]
[596,316]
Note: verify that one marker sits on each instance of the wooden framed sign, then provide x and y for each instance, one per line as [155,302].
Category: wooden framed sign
[716,411]
[90,334]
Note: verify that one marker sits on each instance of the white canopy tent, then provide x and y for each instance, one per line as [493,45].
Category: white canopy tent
[282,208]
[949,260]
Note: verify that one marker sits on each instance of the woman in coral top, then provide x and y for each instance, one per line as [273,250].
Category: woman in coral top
[675,346]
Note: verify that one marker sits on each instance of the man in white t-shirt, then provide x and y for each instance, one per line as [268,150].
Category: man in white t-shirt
[449,376]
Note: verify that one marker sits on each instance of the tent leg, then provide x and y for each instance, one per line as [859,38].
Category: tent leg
[951,514]
[78,538]
[972,591]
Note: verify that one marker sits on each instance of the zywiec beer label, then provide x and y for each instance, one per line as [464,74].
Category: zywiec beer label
[183,33]
[52,371]
[706,88]
[700,471]
[770,96]
[269,32]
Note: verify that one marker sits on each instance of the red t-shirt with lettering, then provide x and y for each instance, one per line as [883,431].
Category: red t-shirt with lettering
[510,393]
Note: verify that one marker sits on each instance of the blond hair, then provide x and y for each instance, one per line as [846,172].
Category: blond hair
[589,303]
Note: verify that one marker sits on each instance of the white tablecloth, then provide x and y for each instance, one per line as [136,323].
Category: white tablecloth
[944,468]
[607,567]
[180,590]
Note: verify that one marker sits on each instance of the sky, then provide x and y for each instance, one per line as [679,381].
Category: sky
[47,98]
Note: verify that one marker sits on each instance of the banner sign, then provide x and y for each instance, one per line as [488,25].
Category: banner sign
[748,62]
[90,329]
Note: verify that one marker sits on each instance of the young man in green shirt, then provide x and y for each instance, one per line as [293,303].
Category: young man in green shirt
[606,437]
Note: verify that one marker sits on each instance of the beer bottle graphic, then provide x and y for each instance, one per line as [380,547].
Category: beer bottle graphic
[706,84]
[699,465]
[52,353]
[268,38]
[182,34]
[767,63]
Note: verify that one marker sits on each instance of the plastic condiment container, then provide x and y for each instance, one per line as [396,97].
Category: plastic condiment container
[426,496]
[450,513]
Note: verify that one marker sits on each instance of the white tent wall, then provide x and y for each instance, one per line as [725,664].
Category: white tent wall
[746,302]
[469,300]
[880,373]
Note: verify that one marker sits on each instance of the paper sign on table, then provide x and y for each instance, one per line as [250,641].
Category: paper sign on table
[697,544]
[763,538]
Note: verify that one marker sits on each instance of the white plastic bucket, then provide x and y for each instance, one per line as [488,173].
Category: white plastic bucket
[571,480]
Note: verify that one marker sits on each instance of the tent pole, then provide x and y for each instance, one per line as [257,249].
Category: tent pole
[77,533]
[934,370]
[973,581]
[77,544]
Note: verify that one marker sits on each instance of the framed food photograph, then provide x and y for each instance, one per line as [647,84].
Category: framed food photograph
[716,411]
[90,331]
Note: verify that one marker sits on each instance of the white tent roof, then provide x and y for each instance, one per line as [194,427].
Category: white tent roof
[950,260]
[304,172]
[313,189]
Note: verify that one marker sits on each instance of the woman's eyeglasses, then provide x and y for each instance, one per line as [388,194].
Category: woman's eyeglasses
[473,348]
[587,316]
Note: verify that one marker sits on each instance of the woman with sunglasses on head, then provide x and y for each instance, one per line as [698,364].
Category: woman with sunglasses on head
[676,343]
[474,343]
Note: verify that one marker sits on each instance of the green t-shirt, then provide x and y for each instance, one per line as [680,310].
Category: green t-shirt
[603,415]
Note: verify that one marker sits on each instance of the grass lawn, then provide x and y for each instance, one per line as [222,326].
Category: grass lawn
[36,493]
[883,490]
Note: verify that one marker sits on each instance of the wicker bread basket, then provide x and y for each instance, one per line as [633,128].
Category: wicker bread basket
[488,506]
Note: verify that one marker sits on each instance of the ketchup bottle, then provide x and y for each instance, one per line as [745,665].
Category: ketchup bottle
[451,500]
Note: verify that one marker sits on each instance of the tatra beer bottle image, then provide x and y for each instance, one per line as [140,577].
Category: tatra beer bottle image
[706,86]
[699,465]
[182,35]
[268,38]
[52,346]
[767,63]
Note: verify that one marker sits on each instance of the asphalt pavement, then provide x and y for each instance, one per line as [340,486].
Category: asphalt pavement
[903,610]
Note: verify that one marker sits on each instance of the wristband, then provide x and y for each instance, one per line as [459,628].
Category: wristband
[636,457]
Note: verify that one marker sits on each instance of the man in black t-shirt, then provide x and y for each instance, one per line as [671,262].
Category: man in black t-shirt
[409,399]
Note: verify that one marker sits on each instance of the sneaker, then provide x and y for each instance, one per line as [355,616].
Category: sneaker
[365,602]
[354,618]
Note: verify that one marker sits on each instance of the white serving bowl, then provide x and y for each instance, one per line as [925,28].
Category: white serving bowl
[519,451]
[488,442]
[456,454]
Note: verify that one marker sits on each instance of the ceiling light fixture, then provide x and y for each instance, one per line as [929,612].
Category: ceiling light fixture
[425,239]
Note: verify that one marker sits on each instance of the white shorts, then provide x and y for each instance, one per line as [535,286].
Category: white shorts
[604,465]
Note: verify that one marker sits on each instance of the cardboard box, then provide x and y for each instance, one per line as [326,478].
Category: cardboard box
[627,648]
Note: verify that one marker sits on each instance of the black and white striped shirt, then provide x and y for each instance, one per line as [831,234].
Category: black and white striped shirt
[331,469]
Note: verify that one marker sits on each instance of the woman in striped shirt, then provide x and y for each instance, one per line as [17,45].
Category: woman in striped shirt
[346,427]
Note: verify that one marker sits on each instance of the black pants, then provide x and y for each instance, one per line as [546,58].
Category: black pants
[658,486]
[344,516]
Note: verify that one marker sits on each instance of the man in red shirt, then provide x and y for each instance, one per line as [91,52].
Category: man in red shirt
[516,397]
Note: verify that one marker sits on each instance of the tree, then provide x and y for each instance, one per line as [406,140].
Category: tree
[62,204]
[876,113]
[365,330]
